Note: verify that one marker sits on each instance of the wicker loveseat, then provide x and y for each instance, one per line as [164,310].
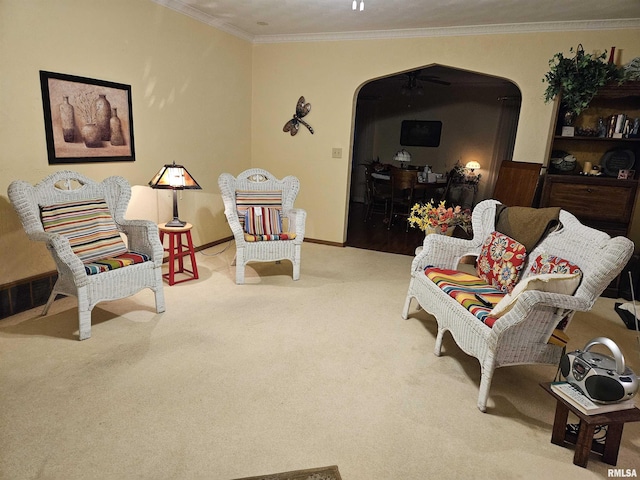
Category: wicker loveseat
[525,334]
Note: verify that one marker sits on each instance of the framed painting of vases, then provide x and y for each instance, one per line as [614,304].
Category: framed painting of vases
[86,120]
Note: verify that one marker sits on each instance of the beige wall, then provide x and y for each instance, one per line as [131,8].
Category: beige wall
[191,95]
[329,75]
[216,103]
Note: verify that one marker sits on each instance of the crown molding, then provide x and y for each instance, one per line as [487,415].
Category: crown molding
[454,31]
[178,6]
[617,24]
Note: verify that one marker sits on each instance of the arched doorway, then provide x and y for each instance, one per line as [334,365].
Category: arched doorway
[478,115]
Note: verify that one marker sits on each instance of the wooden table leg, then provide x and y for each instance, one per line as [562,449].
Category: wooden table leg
[612,443]
[560,424]
[583,445]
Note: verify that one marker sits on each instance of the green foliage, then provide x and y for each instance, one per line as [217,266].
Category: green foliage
[578,79]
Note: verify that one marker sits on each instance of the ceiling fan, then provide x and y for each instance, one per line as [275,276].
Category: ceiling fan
[413,79]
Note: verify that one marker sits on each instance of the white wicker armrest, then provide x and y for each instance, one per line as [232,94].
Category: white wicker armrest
[62,249]
[530,301]
[297,218]
[443,252]
[143,237]
[235,226]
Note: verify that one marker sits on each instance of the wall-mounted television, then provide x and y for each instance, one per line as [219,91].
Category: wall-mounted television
[420,133]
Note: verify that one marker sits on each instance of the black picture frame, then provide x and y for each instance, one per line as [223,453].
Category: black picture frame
[73,105]
[420,133]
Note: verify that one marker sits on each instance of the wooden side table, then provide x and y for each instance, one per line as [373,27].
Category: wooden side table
[583,441]
[177,251]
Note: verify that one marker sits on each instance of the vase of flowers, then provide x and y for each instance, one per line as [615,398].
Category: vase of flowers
[439,219]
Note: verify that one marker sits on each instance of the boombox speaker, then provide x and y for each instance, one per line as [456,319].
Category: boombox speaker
[601,378]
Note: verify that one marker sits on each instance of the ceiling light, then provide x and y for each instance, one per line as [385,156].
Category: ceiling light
[354,5]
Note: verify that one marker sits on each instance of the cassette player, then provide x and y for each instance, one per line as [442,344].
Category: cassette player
[602,378]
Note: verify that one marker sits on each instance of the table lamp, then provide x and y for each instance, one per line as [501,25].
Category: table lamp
[174,177]
[403,157]
[472,165]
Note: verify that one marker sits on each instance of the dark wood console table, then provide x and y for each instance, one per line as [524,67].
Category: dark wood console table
[583,441]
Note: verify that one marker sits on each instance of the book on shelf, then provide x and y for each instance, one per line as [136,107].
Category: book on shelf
[583,403]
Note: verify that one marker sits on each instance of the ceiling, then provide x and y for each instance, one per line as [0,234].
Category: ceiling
[265,21]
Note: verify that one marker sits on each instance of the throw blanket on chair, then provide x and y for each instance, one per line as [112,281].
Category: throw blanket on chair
[525,224]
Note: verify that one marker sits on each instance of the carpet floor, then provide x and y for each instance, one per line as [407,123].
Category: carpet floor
[275,376]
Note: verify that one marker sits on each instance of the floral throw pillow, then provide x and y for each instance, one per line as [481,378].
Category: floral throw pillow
[500,261]
[546,263]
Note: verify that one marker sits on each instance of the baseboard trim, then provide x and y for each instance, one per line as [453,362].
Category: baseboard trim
[324,242]
[31,292]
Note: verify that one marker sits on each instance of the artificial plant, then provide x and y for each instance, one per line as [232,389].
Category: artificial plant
[578,79]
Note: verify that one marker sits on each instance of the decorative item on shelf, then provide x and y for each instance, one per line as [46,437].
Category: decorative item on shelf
[617,159]
[403,157]
[562,162]
[587,132]
[293,125]
[632,69]
[577,80]
[439,219]
[174,177]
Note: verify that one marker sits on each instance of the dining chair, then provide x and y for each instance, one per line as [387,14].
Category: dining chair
[378,195]
[403,184]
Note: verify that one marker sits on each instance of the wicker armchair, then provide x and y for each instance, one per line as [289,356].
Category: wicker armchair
[91,281]
[283,193]
[521,336]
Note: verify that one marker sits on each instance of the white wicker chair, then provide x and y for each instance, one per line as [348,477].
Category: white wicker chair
[256,179]
[142,237]
[520,336]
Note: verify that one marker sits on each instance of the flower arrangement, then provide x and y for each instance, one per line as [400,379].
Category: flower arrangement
[441,218]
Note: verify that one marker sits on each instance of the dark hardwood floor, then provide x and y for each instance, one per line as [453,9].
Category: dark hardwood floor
[374,235]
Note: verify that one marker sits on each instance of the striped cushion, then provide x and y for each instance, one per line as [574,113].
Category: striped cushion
[89,227]
[264,238]
[252,198]
[263,221]
[463,287]
[107,264]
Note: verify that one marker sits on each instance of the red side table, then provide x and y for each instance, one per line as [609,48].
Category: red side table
[177,251]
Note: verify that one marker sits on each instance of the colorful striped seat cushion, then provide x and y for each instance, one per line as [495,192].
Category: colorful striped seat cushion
[88,225]
[107,264]
[463,287]
[265,238]
[253,198]
[263,221]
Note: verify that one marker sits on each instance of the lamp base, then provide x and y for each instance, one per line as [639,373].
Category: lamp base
[176,222]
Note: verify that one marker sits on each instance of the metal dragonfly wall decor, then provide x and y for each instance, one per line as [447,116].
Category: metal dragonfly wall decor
[293,125]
